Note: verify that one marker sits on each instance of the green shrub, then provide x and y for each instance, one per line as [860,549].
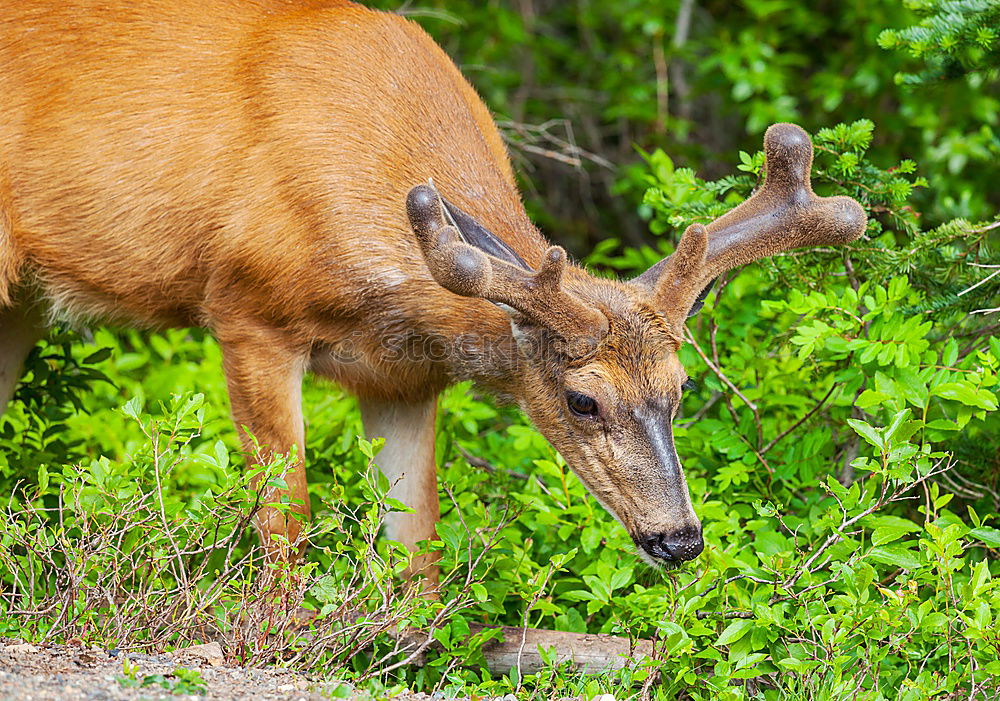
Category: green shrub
[117,553]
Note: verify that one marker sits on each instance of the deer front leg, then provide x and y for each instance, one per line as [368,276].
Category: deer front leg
[21,327]
[407,460]
[264,372]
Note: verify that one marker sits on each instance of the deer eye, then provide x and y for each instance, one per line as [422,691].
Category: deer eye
[581,405]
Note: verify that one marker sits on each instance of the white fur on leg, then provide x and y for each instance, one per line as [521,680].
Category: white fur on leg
[407,460]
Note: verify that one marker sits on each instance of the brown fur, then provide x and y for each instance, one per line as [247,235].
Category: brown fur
[243,165]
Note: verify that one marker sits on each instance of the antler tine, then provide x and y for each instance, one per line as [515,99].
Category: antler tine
[467,271]
[783,214]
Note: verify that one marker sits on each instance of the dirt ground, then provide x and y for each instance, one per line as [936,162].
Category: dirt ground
[68,673]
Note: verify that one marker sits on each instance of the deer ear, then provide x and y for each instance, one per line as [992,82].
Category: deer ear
[491,271]
[475,234]
[699,302]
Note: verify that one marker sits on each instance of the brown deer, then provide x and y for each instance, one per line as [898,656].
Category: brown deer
[262,167]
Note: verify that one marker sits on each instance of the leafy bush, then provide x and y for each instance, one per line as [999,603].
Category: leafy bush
[952,38]
[824,408]
[113,553]
[824,454]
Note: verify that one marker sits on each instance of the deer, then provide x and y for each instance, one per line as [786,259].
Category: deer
[317,184]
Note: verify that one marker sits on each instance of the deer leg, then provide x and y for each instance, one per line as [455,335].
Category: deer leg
[407,460]
[264,373]
[21,327]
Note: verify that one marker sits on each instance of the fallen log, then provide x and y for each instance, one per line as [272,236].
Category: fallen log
[588,652]
[518,648]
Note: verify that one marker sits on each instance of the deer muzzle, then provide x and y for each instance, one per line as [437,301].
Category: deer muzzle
[679,546]
[670,531]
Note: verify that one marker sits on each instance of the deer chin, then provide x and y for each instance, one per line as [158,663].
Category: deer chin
[661,565]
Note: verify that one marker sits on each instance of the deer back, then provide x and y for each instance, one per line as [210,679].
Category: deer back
[168,162]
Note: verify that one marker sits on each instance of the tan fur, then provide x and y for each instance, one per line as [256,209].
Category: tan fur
[20,329]
[244,165]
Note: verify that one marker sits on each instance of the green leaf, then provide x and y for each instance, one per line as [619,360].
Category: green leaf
[887,534]
[591,538]
[132,407]
[620,578]
[950,353]
[990,536]
[943,425]
[995,346]
[967,394]
[977,582]
[797,664]
[870,398]
[736,630]
[221,454]
[443,636]
[868,432]
[895,424]
[896,555]
[98,356]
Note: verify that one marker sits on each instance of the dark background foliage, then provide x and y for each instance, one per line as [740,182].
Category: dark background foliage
[702,81]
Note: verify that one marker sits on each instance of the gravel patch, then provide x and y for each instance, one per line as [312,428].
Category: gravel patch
[67,672]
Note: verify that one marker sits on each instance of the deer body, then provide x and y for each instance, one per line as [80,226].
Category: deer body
[245,165]
[170,163]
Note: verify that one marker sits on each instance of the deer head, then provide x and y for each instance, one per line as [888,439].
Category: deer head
[598,371]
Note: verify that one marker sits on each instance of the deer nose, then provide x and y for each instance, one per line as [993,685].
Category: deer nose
[680,545]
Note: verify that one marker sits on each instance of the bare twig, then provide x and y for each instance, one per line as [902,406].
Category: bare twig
[486,465]
[984,280]
[819,404]
[524,623]
[838,536]
[718,371]
[701,615]
[988,227]
[540,140]
[702,410]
